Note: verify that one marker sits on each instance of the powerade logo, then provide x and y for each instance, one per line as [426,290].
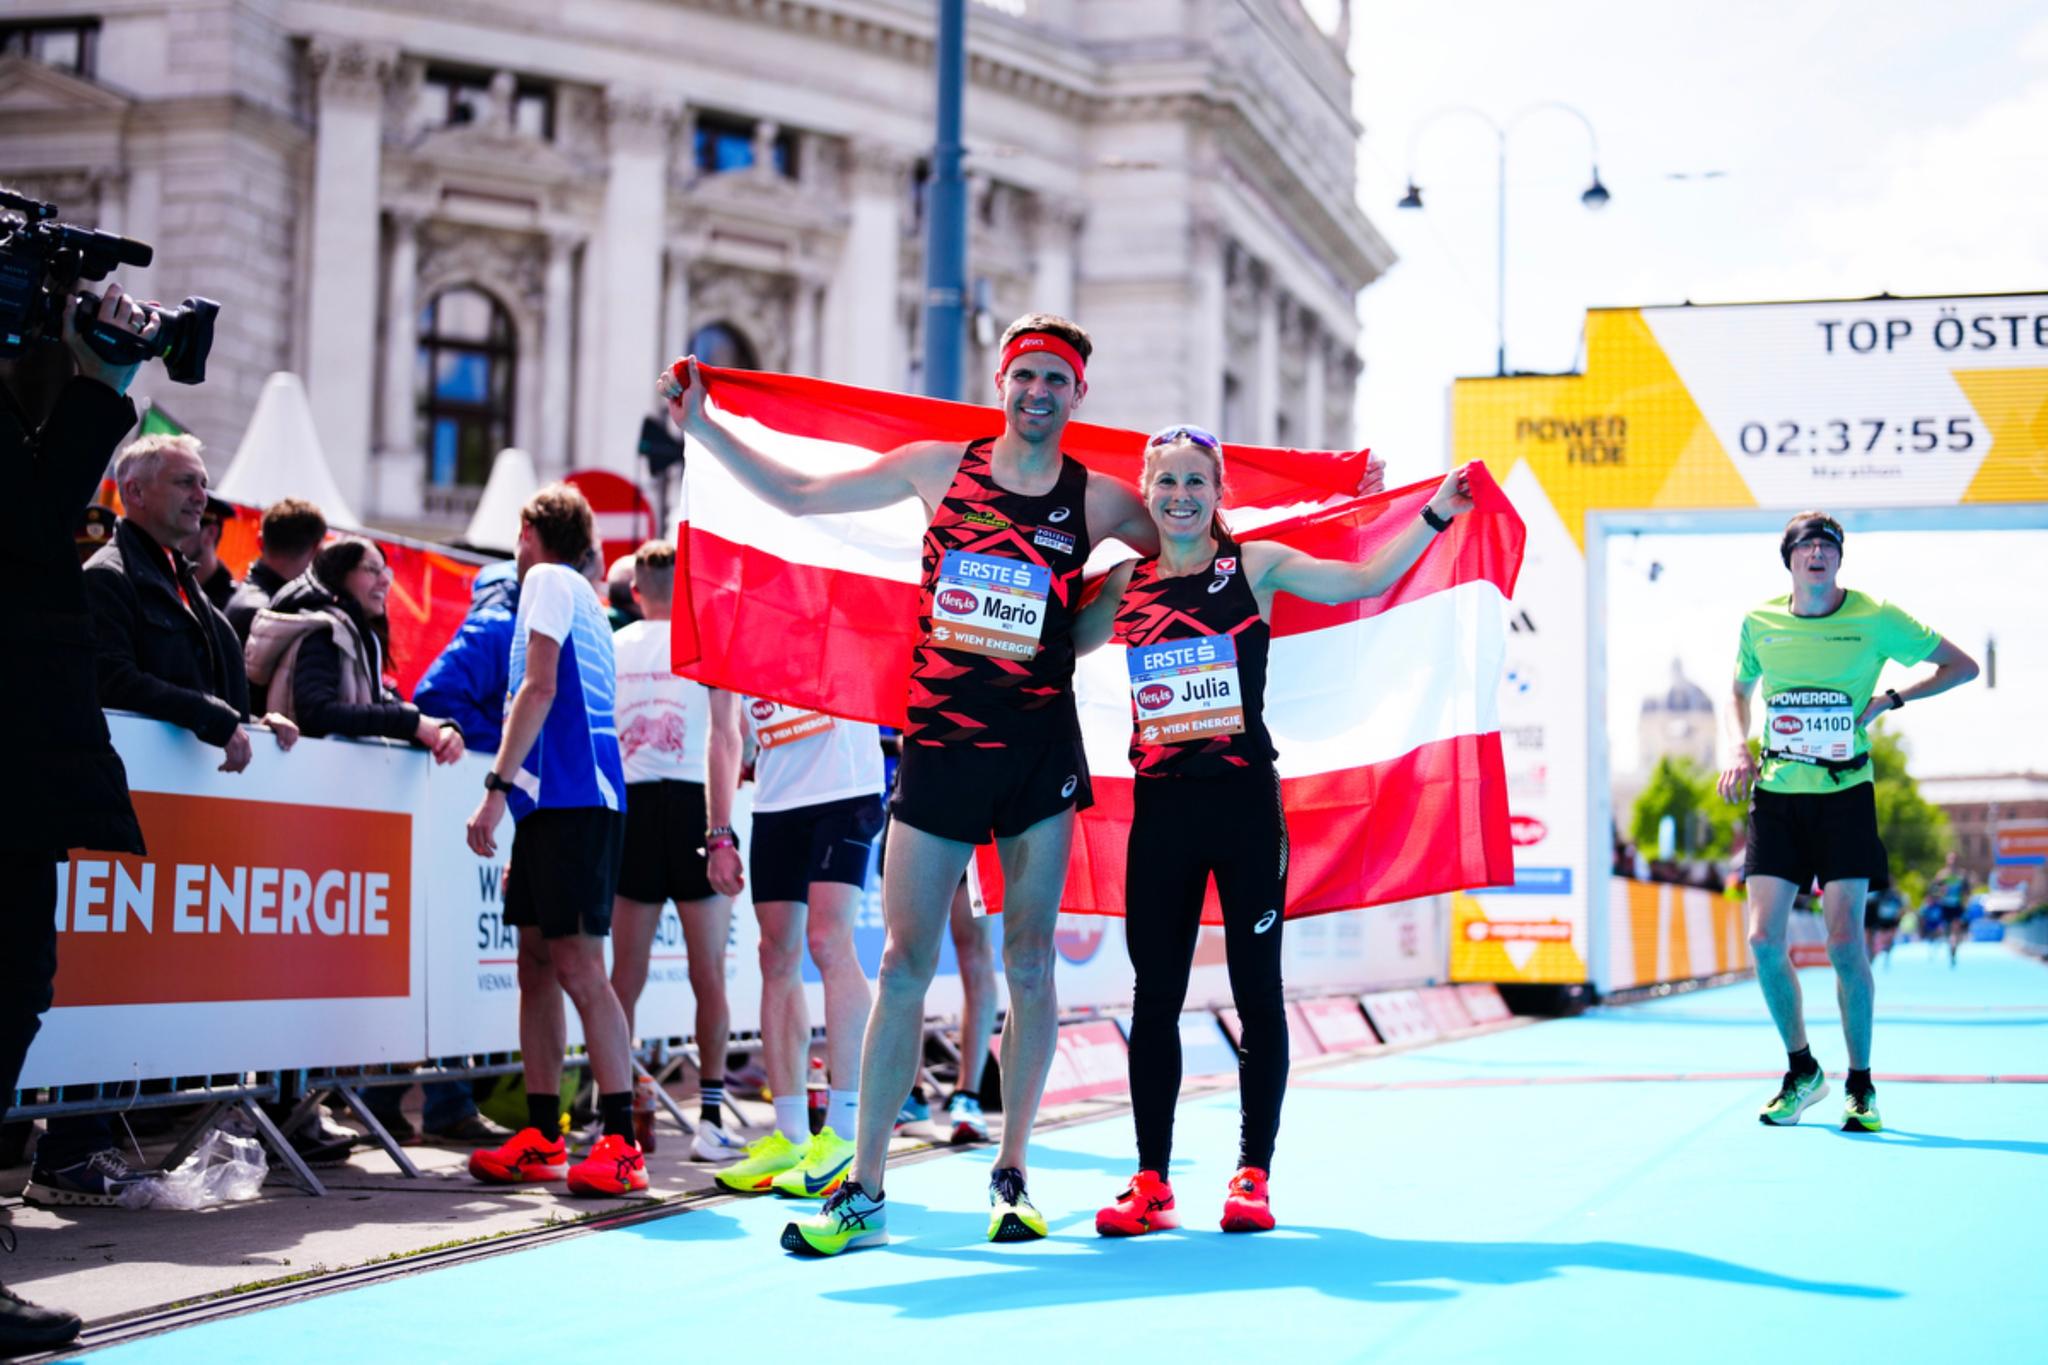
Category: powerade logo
[1154,695]
[959,601]
[762,709]
[1536,881]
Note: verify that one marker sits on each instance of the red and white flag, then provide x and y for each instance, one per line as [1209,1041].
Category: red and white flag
[1384,711]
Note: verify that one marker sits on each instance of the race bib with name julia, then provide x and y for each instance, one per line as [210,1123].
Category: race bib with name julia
[1186,689]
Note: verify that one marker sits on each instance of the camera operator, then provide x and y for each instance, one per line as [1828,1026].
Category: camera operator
[62,412]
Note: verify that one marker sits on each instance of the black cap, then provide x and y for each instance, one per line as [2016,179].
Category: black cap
[220,508]
[95,528]
[1811,526]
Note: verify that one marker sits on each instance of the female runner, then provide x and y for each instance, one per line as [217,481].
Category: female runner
[1194,621]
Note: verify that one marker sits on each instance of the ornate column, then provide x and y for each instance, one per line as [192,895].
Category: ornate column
[401,338]
[865,345]
[1266,381]
[628,277]
[1315,386]
[557,344]
[1205,337]
[341,314]
[676,306]
[805,306]
[1053,233]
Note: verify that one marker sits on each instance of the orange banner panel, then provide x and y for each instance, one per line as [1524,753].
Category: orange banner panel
[239,900]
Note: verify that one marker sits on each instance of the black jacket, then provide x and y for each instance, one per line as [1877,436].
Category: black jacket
[316,681]
[72,791]
[157,655]
[252,595]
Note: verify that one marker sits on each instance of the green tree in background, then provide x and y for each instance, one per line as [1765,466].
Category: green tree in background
[1684,790]
[1915,830]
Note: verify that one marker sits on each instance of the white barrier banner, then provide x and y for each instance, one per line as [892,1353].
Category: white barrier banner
[275,923]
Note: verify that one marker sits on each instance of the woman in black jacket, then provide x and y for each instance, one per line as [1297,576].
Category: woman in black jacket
[322,646]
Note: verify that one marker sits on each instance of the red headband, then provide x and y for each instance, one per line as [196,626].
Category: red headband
[1042,341]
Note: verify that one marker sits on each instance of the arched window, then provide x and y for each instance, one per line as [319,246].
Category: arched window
[464,381]
[723,345]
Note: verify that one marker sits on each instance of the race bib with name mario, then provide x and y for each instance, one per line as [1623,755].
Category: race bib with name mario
[985,604]
[776,725]
[1186,689]
[1810,724]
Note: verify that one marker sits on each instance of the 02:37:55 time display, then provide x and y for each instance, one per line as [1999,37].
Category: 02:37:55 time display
[1921,435]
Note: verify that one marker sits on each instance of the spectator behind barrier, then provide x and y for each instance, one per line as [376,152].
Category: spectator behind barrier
[321,648]
[164,649]
[204,552]
[620,608]
[468,680]
[292,531]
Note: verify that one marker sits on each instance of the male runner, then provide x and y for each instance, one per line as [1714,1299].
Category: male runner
[817,809]
[1951,892]
[1818,651]
[558,764]
[992,747]
[680,742]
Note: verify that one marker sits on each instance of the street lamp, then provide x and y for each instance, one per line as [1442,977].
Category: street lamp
[1594,196]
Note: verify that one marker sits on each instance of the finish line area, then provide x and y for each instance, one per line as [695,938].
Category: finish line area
[1589,1185]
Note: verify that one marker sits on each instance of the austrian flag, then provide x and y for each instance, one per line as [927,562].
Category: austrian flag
[1383,711]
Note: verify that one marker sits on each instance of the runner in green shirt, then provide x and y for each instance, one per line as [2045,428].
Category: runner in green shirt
[1818,651]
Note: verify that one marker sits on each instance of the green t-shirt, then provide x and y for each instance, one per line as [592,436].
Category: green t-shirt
[1818,674]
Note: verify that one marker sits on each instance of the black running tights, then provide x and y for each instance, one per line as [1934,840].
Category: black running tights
[1185,829]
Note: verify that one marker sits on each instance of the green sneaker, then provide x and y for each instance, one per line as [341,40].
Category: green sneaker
[1012,1217]
[1859,1114]
[849,1221]
[1795,1097]
[826,1160]
[766,1158]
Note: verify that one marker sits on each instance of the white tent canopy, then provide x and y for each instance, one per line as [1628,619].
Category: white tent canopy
[280,456]
[495,524]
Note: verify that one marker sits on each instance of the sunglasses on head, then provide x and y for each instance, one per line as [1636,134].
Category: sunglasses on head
[1166,436]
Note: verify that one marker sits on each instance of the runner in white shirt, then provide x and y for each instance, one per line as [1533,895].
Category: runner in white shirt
[674,734]
[817,809]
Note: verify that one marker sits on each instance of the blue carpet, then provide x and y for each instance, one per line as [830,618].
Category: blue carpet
[1464,1215]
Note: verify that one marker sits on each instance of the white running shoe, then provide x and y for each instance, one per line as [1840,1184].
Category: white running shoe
[713,1143]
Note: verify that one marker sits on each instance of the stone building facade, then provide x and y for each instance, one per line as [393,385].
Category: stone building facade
[475,225]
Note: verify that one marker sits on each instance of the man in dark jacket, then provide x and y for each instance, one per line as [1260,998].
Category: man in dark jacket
[467,681]
[292,531]
[164,649]
[62,412]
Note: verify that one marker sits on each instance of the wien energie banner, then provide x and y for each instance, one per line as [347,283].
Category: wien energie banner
[1876,403]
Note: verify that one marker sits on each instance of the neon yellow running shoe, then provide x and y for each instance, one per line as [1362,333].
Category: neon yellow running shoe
[1795,1096]
[1012,1217]
[1859,1114]
[827,1157]
[849,1221]
[766,1158]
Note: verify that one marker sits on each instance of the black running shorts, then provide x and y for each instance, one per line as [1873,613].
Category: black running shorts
[1805,837]
[664,861]
[828,842]
[563,871]
[969,794]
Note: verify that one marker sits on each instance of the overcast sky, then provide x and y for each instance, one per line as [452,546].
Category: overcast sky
[1861,148]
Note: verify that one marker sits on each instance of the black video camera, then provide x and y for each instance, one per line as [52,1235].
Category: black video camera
[41,263]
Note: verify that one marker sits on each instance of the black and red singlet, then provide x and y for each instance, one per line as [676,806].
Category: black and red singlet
[1220,602]
[963,689]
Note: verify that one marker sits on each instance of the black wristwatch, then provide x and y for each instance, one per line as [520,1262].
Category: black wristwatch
[1897,700]
[495,783]
[1436,523]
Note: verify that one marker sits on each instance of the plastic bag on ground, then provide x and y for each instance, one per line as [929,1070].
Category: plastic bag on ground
[223,1169]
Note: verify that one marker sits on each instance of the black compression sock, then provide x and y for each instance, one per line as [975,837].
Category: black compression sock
[1802,1063]
[616,1112]
[545,1113]
[1859,1082]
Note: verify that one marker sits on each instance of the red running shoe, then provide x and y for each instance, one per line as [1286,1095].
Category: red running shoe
[614,1166]
[1145,1206]
[527,1159]
[1245,1208]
